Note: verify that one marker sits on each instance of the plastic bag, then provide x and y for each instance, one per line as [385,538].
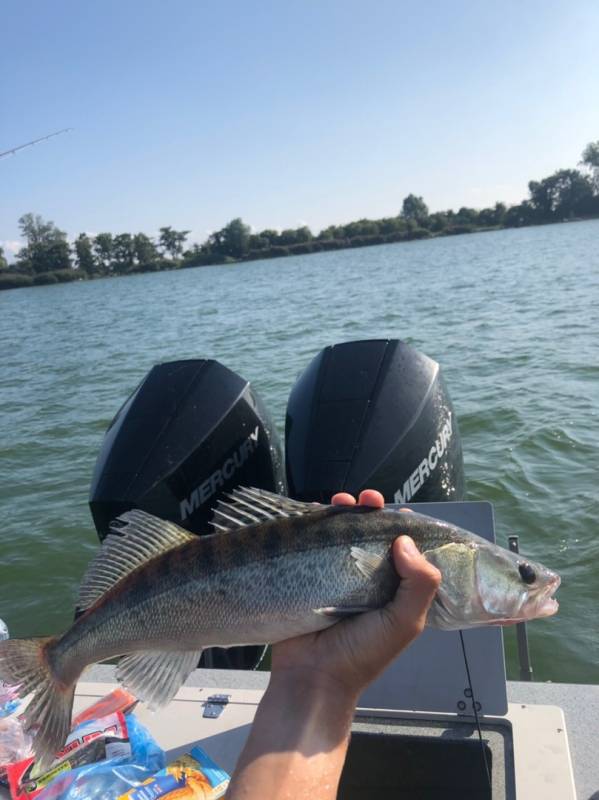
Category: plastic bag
[15,744]
[9,700]
[93,740]
[192,775]
[113,776]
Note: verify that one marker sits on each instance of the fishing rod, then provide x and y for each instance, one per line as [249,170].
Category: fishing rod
[475,709]
[14,150]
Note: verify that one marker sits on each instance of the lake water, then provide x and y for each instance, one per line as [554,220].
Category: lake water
[512,317]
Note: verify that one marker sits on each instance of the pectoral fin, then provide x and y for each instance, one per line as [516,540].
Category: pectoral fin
[367,563]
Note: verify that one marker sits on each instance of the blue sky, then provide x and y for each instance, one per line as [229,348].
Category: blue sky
[286,113]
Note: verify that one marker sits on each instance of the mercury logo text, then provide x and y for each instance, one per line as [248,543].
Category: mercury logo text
[426,467]
[217,480]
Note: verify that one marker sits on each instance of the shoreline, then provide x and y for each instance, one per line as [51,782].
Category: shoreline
[19,280]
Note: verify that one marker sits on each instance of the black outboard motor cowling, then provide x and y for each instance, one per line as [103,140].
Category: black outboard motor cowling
[190,431]
[373,414]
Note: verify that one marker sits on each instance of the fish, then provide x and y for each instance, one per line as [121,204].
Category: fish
[156,595]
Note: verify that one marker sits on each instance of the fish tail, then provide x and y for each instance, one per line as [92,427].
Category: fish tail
[25,663]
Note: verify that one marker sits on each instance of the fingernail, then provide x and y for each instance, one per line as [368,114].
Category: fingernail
[408,547]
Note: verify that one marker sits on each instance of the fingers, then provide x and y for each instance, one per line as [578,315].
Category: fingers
[372,640]
[343,499]
[369,497]
[419,582]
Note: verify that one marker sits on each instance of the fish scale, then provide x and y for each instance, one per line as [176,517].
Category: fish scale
[253,577]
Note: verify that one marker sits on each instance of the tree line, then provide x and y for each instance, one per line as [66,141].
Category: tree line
[48,257]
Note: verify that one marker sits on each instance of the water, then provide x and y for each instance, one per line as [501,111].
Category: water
[512,316]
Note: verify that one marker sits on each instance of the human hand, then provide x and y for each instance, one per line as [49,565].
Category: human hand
[350,654]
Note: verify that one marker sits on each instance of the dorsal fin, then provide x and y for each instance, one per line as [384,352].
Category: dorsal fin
[135,537]
[248,506]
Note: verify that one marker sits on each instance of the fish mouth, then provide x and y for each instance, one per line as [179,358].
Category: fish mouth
[547,605]
[548,608]
[544,605]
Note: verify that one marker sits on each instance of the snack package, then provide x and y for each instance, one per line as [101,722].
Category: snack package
[107,779]
[91,741]
[118,700]
[15,744]
[192,775]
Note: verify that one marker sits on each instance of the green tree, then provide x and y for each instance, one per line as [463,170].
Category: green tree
[500,212]
[391,225]
[232,241]
[270,235]
[590,159]
[332,232]
[485,217]
[124,253]
[145,251]
[84,255]
[294,236]
[104,248]
[3,261]
[258,242]
[197,255]
[237,238]
[414,208]
[437,222]
[172,241]
[287,237]
[519,215]
[566,193]
[466,216]
[303,234]
[362,227]
[47,249]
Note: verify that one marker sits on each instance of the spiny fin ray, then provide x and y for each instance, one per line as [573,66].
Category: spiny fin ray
[248,506]
[135,538]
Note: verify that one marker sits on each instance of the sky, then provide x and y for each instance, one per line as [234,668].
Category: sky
[317,112]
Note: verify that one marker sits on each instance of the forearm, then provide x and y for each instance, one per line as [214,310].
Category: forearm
[298,741]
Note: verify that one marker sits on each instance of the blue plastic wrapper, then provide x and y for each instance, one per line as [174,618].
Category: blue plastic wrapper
[112,777]
[193,774]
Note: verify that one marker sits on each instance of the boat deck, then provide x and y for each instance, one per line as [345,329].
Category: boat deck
[183,723]
[579,703]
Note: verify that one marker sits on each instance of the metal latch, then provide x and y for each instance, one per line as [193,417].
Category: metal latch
[214,705]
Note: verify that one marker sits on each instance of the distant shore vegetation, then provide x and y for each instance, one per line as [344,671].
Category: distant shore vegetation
[48,257]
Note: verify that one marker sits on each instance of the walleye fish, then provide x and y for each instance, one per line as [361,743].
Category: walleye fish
[156,594]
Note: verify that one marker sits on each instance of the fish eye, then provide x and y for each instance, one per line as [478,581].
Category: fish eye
[527,573]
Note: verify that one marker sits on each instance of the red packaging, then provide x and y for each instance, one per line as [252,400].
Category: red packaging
[117,700]
[91,741]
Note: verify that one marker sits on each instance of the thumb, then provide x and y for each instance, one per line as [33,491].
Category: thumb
[419,583]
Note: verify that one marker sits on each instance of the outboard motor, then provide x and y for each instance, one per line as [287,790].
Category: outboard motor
[373,414]
[189,432]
